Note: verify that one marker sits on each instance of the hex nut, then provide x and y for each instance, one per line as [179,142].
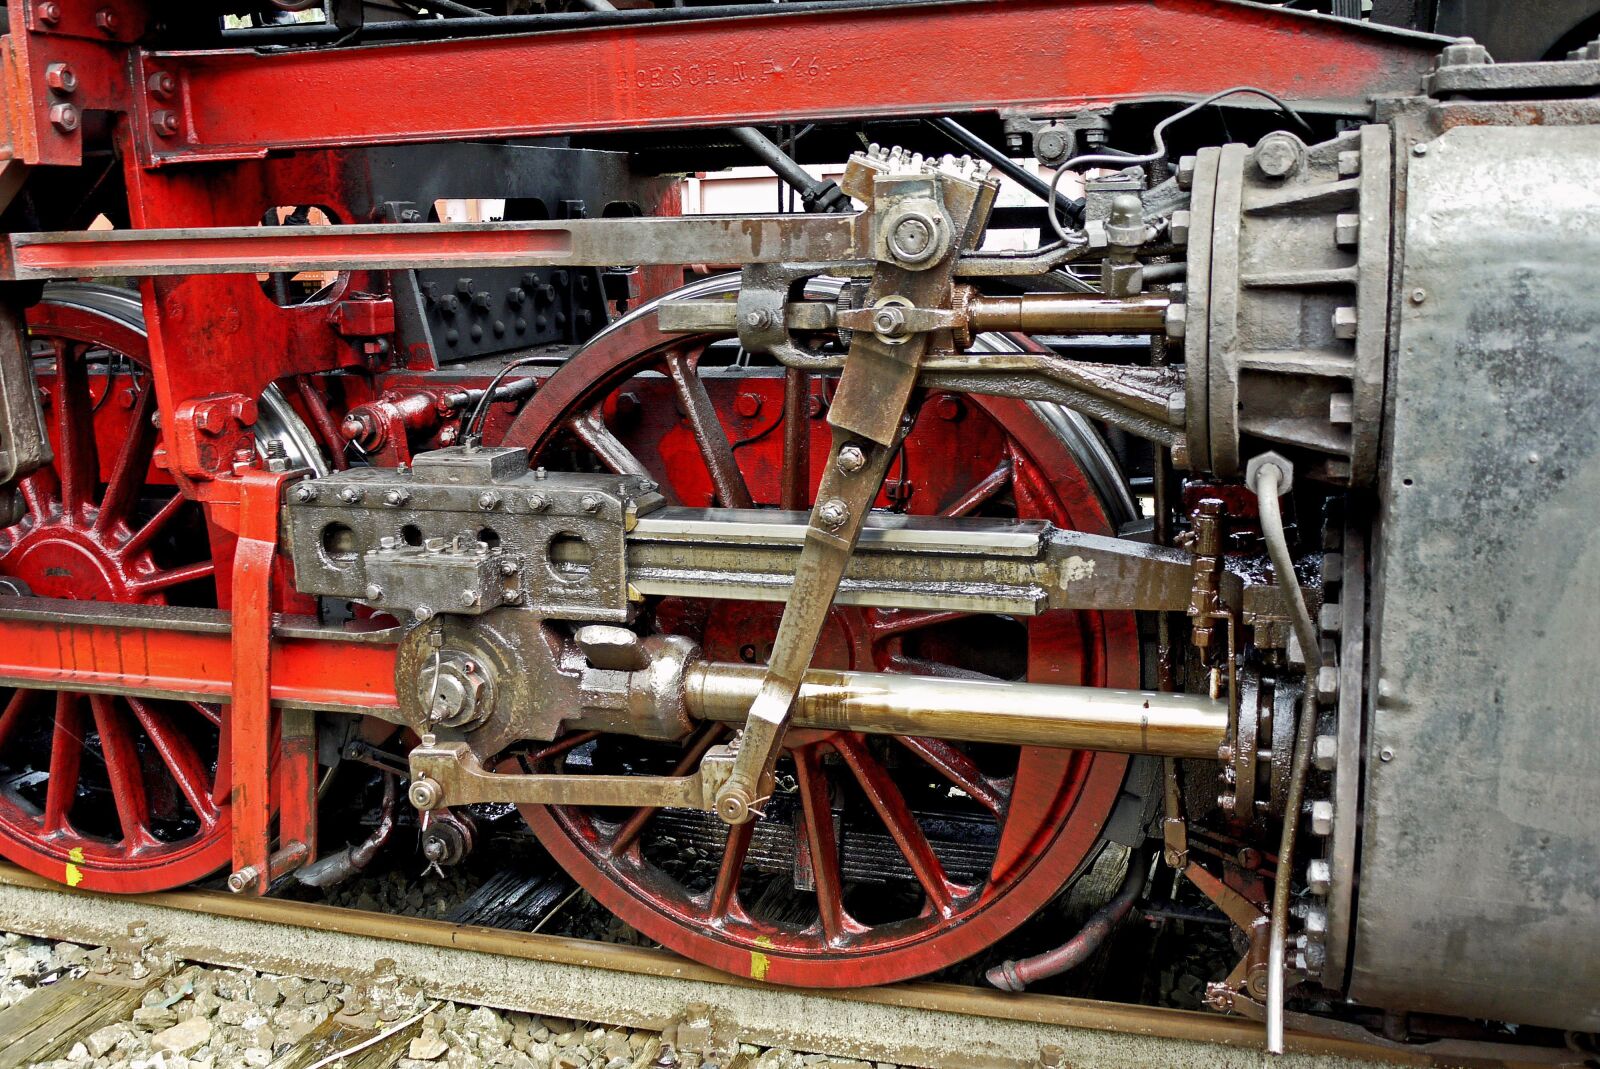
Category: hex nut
[1322,818]
[1177,321]
[1345,323]
[1328,684]
[1331,618]
[1347,230]
[396,498]
[1186,170]
[305,492]
[64,117]
[165,122]
[1325,753]
[61,78]
[1182,220]
[1316,923]
[538,502]
[1464,53]
[350,495]
[851,459]
[832,513]
[1253,469]
[488,501]
[590,503]
[1319,876]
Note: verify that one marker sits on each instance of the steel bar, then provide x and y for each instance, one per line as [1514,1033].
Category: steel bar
[922,59]
[966,710]
[375,247]
[1068,313]
[938,1025]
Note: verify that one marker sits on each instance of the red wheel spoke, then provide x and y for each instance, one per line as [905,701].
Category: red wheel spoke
[172,577]
[795,482]
[132,464]
[818,813]
[152,527]
[77,464]
[709,434]
[901,823]
[954,765]
[210,712]
[20,700]
[591,429]
[41,490]
[122,768]
[66,753]
[685,764]
[180,757]
[725,892]
[985,489]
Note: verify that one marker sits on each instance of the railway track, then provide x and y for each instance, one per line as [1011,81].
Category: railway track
[923,1024]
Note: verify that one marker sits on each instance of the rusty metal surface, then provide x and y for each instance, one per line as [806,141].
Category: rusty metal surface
[933,1025]
[1480,871]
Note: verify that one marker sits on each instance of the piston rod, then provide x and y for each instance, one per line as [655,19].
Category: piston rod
[1068,313]
[966,710]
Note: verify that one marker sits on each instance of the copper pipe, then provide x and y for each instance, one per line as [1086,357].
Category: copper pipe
[1022,714]
[1068,313]
[1012,975]
[322,419]
[795,489]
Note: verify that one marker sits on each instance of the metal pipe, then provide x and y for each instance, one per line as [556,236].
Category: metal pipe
[1279,932]
[1006,166]
[1090,313]
[816,194]
[1017,975]
[1022,714]
[1269,477]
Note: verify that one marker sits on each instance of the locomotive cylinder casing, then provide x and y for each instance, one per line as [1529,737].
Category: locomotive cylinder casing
[1479,880]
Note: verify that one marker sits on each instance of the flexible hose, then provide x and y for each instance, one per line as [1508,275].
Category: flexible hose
[1278,934]
[1266,488]
[1017,975]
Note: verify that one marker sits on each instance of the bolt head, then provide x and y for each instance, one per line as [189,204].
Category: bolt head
[488,501]
[758,319]
[1177,321]
[1325,752]
[1345,323]
[1279,155]
[1322,818]
[1186,170]
[305,492]
[851,459]
[1328,684]
[350,495]
[1347,231]
[747,405]
[1319,876]
[106,19]
[590,503]
[374,592]
[832,513]
[64,117]
[468,598]
[538,502]
[1179,227]
[61,78]
[395,498]
[49,13]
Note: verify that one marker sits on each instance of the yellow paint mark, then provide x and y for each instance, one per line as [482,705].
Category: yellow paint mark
[74,874]
[759,962]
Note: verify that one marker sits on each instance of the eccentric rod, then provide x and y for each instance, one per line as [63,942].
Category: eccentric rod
[965,710]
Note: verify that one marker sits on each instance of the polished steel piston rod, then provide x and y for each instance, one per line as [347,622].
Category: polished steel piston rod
[1022,714]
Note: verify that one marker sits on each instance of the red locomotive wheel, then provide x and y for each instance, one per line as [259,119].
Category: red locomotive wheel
[109,792]
[878,859]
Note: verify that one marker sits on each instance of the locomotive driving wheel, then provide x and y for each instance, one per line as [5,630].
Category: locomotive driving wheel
[878,858]
[107,791]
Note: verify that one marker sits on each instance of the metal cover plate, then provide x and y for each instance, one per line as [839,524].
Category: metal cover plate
[1479,884]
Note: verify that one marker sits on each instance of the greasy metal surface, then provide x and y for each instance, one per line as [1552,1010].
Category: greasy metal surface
[379,246]
[1480,872]
[935,1025]
[903,59]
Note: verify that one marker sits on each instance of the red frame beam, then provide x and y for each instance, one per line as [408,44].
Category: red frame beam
[184,653]
[1035,57]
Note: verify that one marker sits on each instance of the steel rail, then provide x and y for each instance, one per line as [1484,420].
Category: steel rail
[942,1026]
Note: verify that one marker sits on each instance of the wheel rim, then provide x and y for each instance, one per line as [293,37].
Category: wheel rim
[111,792]
[1046,807]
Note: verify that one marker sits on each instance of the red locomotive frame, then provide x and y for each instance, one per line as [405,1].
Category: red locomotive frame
[211,139]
